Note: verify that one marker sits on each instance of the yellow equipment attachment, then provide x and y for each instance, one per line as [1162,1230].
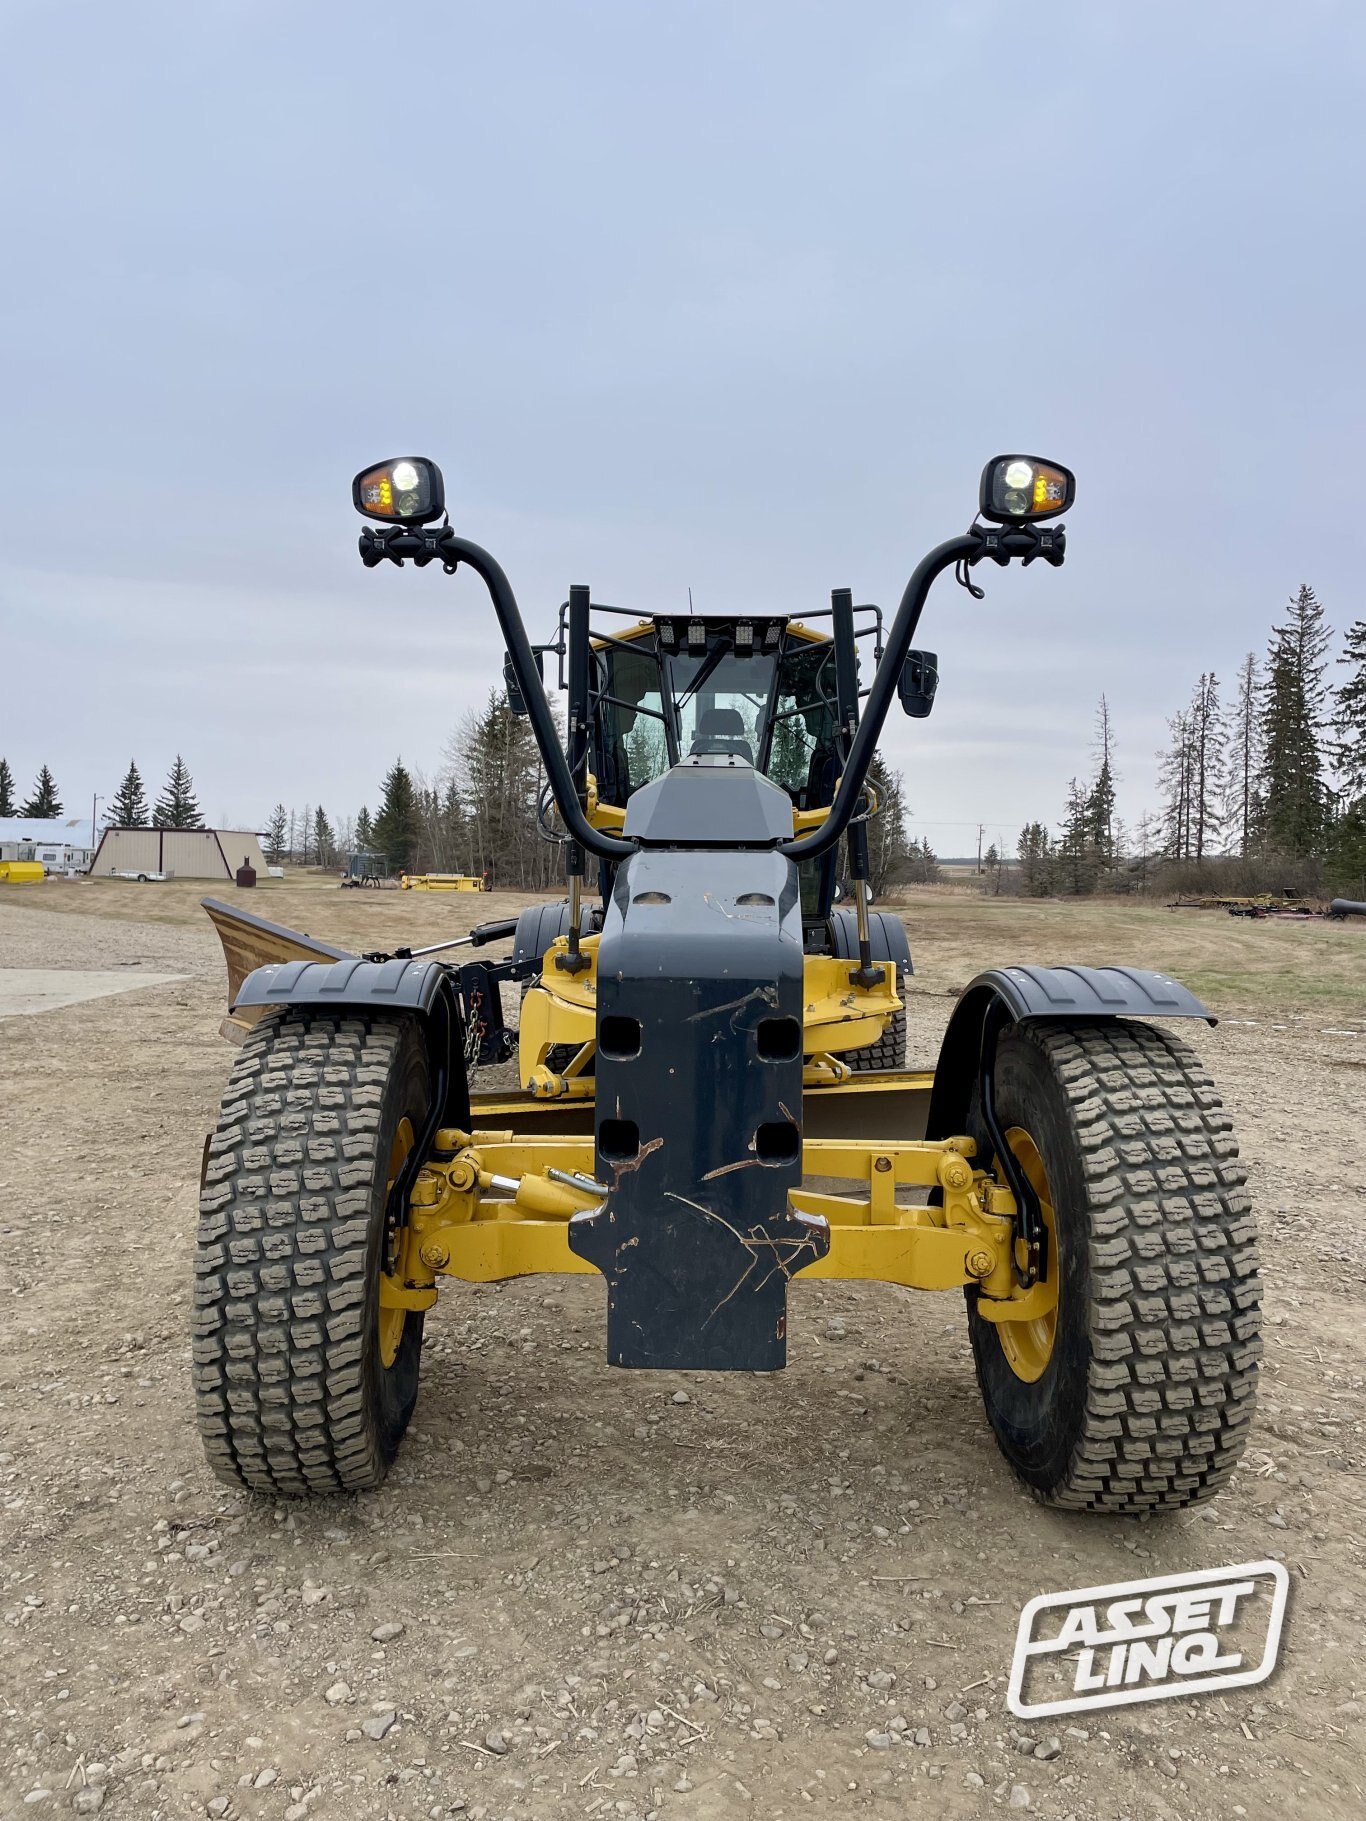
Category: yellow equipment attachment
[442,882]
[22,872]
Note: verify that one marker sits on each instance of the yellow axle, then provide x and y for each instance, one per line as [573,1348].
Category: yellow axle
[491,1205]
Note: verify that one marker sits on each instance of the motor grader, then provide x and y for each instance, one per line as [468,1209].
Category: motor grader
[714,1104]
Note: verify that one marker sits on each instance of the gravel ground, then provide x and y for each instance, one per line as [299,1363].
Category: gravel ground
[592,1593]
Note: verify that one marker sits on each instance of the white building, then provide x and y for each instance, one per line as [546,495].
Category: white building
[61,844]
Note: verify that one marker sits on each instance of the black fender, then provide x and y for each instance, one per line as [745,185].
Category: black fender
[425,990]
[1069,993]
[540,925]
[886,938]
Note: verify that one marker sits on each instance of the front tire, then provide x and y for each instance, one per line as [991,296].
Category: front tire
[1136,1393]
[303,1384]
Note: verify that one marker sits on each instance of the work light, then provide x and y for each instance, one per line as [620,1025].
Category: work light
[1025,487]
[407,490]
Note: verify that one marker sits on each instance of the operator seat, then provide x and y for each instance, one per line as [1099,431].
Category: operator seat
[821,778]
[721,730]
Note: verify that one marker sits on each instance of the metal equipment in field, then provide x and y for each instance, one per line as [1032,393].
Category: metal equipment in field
[363,867]
[444,882]
[706,1043]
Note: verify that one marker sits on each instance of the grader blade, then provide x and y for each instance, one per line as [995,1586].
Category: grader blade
[251,942]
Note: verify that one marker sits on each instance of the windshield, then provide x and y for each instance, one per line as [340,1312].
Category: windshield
[720,699]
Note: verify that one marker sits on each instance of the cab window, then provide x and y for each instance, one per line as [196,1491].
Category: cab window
[634,747]
[804,755]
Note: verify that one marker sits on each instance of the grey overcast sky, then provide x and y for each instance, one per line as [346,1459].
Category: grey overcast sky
[732,296]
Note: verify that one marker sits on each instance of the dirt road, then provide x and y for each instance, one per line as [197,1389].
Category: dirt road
[592,1593]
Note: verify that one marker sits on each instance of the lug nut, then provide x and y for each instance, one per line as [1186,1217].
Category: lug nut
[979,1264]
[955,1173]
[435,1257]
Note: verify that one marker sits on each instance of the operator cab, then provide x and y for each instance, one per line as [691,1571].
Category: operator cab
[757,692]
[753,692]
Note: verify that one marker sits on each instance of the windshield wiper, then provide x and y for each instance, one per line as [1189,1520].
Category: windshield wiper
[709,663]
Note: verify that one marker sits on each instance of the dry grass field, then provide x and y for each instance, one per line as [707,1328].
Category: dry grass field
[586,1593]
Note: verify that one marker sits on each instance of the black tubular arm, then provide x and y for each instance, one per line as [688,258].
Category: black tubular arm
[880,697]
[562,784]
[444,546]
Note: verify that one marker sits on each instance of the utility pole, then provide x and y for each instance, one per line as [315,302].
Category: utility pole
[980,828]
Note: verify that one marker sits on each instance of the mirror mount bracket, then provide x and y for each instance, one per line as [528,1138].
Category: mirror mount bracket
[396,543]
[1030,543]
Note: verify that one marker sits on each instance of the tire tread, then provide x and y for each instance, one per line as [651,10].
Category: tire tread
[1176,1293]
[281,1258]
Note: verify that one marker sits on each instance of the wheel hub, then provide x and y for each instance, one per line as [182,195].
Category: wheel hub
[1028,1344]
[396,1242]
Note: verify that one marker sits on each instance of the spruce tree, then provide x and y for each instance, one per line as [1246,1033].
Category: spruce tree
[887,849]
[324,842]
[1207,766]
[129,806]
[1295,797]
[992,864]
[1174,781]
[1349,719]
[922,862]
[177,807]
[1147,844]
[499,774]
[1101,801]
[44,802]
[396,825]
[1075,853]
[277,826]
[1034,850]
[1243,754]
[453,839]
[6,789]
[365,834]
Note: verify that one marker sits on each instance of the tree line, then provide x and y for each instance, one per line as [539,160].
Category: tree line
[1266,786]
[176,807]
[485,811]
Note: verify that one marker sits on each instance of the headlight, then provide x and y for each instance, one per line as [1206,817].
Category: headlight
[1025,487]
[408,490]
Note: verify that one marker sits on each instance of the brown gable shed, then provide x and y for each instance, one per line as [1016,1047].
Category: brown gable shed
[183,853]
